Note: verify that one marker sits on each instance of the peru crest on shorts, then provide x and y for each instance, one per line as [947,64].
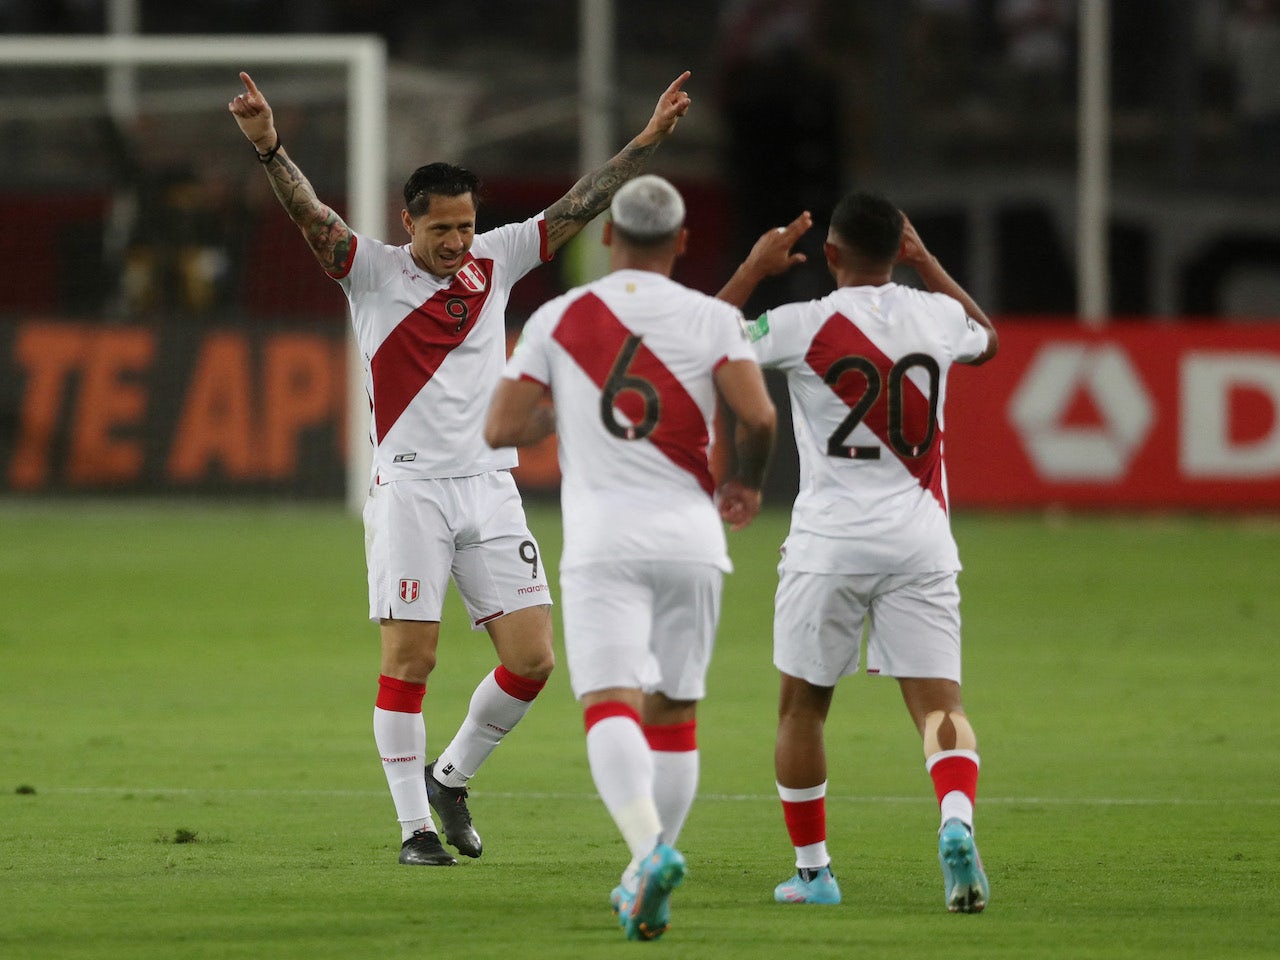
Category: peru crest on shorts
[409,590]
[472,277]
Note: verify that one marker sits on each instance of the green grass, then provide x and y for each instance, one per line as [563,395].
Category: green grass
[187,767]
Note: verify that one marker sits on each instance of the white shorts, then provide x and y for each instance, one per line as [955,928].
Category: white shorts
[913,625]
[640,624]
[418,533]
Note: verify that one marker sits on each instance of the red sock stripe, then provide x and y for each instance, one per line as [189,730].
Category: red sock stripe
[955,773]
[806,821]
[400,696]
[513,685]
[610,708]
[673,737]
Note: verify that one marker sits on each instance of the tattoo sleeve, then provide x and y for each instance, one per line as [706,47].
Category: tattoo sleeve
[590,196]
[328,236]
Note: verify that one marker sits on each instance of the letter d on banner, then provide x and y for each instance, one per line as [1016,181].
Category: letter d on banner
[1209,381]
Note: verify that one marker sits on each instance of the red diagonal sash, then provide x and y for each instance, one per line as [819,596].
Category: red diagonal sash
[410,356]
[594,337]
[840,338]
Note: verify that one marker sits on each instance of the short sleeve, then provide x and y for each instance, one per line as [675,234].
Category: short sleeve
[529,359]
[968,338]
[521,246]
[367,262]
[775,337]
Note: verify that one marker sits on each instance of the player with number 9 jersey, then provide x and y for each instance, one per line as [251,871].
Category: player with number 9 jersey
[427,341]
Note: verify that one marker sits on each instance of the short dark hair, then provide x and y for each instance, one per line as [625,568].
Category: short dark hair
[870,224]
[438,180]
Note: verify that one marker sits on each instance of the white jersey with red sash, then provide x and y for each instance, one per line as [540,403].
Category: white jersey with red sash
[867,374]
[630,360]
[433,349]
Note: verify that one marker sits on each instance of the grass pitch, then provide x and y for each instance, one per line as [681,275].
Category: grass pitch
[187,767]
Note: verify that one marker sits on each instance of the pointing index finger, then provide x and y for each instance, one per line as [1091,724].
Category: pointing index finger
[249,85]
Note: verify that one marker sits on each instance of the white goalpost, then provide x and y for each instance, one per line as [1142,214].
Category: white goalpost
[364,62]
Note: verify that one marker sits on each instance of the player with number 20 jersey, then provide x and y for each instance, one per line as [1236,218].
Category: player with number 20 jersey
[867,375]
[870,542]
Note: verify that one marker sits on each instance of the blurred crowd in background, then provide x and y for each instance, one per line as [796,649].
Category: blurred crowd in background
[963,109]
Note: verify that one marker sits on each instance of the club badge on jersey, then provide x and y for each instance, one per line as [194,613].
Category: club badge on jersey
[472,277]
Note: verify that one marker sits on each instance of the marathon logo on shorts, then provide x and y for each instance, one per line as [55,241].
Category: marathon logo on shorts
[472,277]
[409,590]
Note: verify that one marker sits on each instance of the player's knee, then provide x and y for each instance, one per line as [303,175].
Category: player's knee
[948,730]
[532,661]
[541,668]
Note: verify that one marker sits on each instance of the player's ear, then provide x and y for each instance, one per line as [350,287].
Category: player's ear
[832,253]
[682,241]
[606,233]
[407,221]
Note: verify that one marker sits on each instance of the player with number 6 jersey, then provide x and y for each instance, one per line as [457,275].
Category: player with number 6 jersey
[870,541]
[633,363]
[631,357]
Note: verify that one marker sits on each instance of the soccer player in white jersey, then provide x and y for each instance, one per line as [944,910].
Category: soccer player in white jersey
[429,320]
[633,363]
[870,539]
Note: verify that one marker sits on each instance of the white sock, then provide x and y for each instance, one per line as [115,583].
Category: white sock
[402,744]
[675,784]
[492,714]
[622,768]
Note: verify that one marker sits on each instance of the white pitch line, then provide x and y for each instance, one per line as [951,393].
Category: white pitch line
[706,797]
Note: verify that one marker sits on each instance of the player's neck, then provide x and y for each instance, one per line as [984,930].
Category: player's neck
[654,264]
[863,278]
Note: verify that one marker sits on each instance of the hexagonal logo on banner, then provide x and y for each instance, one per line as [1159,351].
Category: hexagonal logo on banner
[1063,451]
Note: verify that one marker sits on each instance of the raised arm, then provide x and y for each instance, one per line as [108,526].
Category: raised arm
[329,238]
[741,386]
[770,256]
[591,195]
[937,280]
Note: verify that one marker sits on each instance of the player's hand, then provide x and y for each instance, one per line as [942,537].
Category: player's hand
[912,252]
[672,105]
[253,114]
[772,254]
[738,503]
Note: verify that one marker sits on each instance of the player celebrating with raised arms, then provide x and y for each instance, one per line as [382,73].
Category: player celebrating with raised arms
[429,321]
[870,539]
[633,363]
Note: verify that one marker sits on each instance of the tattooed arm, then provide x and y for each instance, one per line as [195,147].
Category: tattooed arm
[328,236]
[591,195]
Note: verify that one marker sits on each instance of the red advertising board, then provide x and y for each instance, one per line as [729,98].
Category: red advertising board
[97,408]
[1133,415]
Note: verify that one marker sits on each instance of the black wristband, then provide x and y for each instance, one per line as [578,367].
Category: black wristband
[270,154]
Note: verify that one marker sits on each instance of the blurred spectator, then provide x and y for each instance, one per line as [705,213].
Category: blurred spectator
[1253,39]
[1039,56]
[184,227]
[781,103]
[946,50]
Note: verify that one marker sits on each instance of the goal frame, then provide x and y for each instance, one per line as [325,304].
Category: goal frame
[364,58]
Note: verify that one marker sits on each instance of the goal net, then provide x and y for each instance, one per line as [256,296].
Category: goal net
[163,328]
